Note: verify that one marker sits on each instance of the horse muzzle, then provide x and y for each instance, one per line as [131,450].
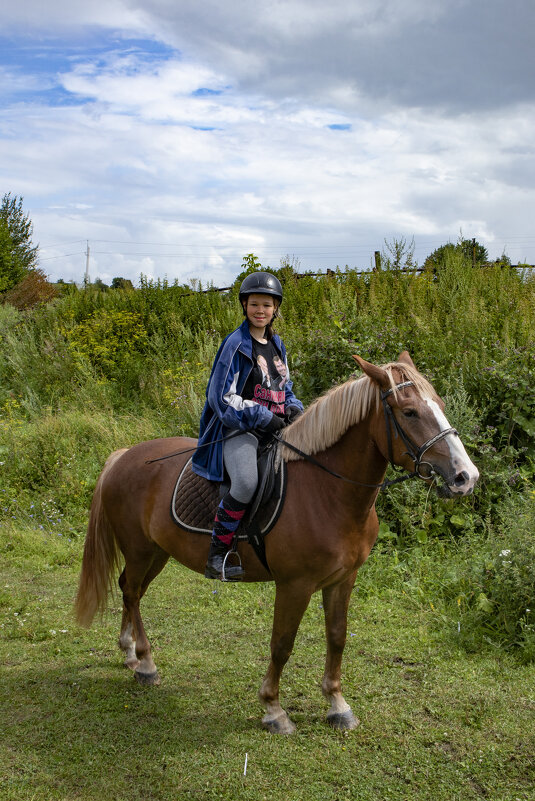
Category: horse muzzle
[459,484]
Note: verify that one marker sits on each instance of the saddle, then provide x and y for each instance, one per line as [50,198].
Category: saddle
[195,501]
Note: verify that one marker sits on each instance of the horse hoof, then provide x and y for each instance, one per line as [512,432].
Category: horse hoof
[131,663]
[343,721]
[282,725]
[147,679]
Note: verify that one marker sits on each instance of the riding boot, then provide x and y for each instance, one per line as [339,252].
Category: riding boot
[228,517]
[216,561]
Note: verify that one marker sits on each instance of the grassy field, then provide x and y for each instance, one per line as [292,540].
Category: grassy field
[436,723]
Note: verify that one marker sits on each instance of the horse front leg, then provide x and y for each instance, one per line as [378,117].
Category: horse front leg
[335,605]
[290,605]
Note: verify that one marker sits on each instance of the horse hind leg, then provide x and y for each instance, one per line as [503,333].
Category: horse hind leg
[133,640]
[127,642]
[335,605]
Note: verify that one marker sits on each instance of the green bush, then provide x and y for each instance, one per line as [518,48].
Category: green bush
[93,371]
[49,466]
[107,339]
[490,590]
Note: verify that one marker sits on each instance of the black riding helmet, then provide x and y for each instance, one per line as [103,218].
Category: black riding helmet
[261,284]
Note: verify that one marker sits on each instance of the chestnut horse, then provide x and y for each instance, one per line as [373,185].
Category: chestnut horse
[325,532]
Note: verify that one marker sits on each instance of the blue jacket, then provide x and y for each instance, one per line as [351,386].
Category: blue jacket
[225,409]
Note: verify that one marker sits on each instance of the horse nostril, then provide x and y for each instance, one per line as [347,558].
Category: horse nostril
[461,478]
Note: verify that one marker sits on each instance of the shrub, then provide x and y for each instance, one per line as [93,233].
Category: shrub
[33,290]
[490,591]
[107,339]
[49,466]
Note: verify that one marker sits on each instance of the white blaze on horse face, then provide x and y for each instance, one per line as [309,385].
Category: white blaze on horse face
[460,461]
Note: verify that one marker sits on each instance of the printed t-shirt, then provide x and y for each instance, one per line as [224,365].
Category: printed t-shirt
[268,378]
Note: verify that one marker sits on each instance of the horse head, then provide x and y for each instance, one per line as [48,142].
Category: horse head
[412,430]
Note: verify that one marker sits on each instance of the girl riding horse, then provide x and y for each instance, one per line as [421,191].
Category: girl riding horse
[249,397]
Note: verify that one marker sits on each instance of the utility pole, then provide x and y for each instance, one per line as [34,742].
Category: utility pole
[86,276]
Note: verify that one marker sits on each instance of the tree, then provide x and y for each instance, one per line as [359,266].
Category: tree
[471,249]
[20,228]
[398,255]
[121,283]
[475,253]
[251,264]
[11,269]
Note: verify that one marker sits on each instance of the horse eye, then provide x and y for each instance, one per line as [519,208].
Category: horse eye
[410,413]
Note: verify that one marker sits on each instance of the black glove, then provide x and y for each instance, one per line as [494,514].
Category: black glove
[275,424]
[291,414]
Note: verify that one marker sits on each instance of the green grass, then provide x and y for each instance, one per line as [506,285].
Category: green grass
[436,723]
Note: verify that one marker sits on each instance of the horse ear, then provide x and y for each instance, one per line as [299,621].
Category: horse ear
[406,359]
[374,372]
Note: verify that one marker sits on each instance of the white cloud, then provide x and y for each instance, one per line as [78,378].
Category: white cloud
[155,92]
[65,14]
[117,146]
[463,54]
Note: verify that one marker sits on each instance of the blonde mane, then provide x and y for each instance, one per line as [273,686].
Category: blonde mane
[329,416]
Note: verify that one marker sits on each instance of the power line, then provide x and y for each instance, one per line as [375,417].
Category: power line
[350,251]
[62,256]
[351,246]
[61,244]
[301,247]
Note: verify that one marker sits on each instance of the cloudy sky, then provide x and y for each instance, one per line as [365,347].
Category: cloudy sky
[175,136]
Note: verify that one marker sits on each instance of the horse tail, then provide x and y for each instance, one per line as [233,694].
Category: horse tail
[101,555]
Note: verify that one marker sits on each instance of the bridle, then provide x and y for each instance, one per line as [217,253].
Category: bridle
[413,450]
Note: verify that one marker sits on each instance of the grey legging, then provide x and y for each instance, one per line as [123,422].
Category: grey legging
[239,457]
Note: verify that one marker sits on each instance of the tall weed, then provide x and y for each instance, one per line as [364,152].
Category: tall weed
[488,593]
[93,371]
[49,466]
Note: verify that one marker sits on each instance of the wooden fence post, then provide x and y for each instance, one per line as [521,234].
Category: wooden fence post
[377,260]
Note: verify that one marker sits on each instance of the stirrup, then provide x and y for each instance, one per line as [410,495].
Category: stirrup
[232,572]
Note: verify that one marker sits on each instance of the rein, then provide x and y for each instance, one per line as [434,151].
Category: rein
[413,450]
[386,483]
